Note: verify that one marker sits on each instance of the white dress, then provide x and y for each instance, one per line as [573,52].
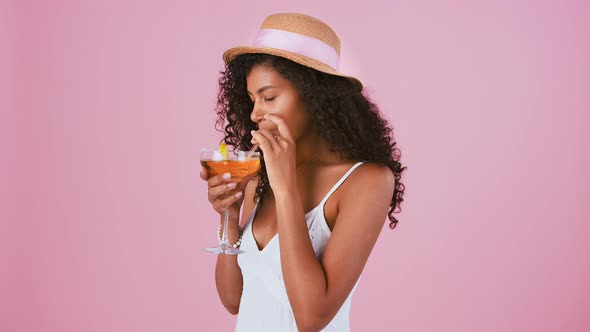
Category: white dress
[264,305]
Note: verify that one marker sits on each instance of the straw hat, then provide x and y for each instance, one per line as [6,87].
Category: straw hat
[300,38]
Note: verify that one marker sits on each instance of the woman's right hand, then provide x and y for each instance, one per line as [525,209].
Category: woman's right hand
[218,189]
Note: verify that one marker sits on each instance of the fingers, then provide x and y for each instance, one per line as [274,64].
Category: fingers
[218,185]
[222,192]
[218,179]
[224,203]
[281,124]
[219,190]
[270,138]
[264,141]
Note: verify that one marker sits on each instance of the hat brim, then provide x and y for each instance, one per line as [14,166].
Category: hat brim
[233,52]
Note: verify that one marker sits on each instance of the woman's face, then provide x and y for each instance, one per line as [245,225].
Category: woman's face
[271,93]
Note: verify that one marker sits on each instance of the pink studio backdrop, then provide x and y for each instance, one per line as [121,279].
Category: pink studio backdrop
[105,105]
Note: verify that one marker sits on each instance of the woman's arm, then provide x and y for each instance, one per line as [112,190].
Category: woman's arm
[228,275]
[317,290]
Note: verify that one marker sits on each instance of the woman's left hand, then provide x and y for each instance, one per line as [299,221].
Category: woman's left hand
[279,154]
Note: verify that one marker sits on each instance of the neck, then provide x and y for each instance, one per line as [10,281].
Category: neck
[312,149]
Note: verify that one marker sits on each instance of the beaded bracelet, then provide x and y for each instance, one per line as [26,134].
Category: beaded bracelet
[235,245]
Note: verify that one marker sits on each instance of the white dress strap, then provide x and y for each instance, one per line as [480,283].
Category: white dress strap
[337,185]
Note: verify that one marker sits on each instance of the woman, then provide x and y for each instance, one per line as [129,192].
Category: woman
[330,176]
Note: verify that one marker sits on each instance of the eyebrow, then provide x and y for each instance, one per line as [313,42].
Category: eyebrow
[266,87]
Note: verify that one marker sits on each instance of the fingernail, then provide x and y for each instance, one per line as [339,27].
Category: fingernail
[231,185]
[265,116]
[227,176]
[238,194]
[252,132]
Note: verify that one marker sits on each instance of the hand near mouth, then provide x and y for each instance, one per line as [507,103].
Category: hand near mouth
[278,149]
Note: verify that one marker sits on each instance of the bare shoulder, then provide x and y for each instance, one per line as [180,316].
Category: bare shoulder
[367,191]
[371,177]
[362,212]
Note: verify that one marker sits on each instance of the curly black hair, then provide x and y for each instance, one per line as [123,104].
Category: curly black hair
[347,119]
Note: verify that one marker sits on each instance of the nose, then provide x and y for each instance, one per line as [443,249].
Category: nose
[257,112]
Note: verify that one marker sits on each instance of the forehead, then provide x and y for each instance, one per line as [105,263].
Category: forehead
[262,75]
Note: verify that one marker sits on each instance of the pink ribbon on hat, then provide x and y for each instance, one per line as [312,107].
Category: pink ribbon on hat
[300,44]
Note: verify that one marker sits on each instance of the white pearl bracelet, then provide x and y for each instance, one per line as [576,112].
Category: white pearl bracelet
[235,245]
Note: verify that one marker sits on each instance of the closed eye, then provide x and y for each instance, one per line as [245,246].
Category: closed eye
[265,99]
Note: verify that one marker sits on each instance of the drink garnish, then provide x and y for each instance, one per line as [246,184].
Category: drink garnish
[224,151]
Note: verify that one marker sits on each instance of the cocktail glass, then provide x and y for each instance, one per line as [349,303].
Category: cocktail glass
[239,164]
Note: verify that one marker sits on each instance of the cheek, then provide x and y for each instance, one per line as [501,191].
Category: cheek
[296,117]
[299,124]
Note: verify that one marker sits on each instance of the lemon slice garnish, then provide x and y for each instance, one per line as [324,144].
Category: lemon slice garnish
[224,151]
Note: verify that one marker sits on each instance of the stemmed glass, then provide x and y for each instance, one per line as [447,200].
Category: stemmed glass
[239,164]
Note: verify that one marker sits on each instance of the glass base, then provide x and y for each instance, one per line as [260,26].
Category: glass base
[224,249]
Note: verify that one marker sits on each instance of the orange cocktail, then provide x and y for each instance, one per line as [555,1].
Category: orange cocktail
[238,169]
[239,164]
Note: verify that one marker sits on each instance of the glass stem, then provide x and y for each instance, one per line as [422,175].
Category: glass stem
[224,239]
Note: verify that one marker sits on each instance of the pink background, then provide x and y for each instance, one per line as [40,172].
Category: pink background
[106,104]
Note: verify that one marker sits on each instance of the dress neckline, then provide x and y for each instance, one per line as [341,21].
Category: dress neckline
[321,204]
